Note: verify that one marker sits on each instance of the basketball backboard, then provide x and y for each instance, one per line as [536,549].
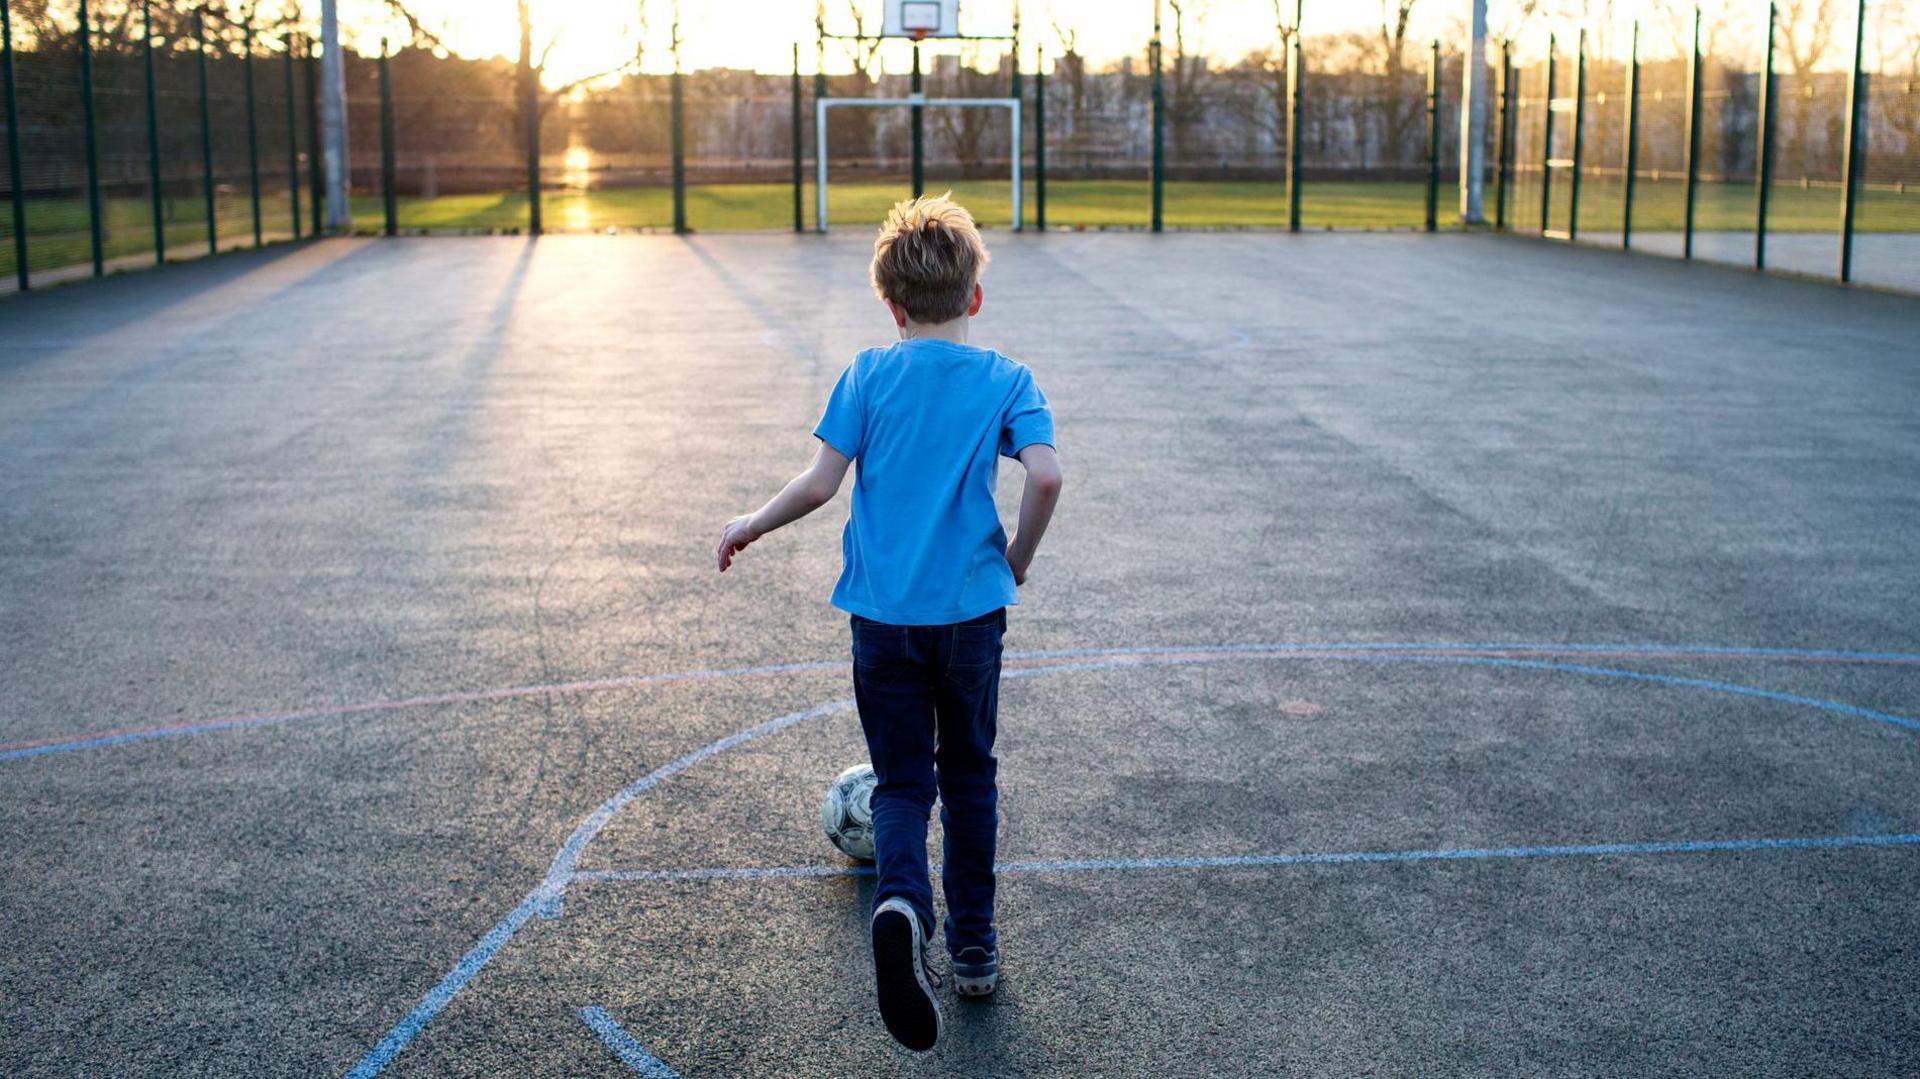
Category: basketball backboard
[921,18]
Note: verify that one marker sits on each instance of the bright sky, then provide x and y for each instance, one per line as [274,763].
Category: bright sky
[592,36]
[595,35]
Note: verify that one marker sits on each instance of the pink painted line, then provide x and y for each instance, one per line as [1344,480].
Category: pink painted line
[1018,662]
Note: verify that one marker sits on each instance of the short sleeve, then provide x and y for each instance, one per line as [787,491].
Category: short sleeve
[843,425]
[1029,419]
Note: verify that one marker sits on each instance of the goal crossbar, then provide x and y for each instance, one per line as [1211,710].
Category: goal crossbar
[1012,105]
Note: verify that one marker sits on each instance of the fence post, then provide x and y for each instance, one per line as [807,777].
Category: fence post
[389,197]
[316,185]
[1632,155]
[293,139]
[19,198]
[1433,138]
[93,144]
[1039,140]
[1763,169]
[1546,144]
[1579,136]
[1850,171]
[820,94]
[153,143]
[1503,137]
[206,129]
[679,153]
[919,129]
[1693,132]
[799,164]
[253,140]
[1159,181]
[1296,62]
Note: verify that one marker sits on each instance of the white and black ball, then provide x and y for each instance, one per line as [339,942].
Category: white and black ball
[847,812]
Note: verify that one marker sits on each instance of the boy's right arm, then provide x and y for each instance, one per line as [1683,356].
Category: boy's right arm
[1042,493]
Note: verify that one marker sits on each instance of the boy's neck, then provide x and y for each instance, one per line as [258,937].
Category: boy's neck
[954,330]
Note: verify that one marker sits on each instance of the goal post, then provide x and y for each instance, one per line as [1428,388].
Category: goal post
[822,105]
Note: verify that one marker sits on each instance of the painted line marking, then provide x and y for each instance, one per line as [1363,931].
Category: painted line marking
[42,747]
[631,1052]
[1078,865]
[549,898]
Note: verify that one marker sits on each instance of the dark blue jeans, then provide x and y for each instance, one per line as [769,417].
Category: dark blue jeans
[929,698]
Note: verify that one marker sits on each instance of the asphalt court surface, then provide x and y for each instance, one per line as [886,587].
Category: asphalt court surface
[1454,655]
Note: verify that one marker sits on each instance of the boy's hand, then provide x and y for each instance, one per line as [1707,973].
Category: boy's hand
[1019,567]
[738,534]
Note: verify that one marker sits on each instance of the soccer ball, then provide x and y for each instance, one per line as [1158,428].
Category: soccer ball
[847,812]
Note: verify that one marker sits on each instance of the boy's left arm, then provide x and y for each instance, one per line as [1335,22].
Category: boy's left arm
[802,495]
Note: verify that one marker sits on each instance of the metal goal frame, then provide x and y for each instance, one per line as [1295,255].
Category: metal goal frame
[1012,105]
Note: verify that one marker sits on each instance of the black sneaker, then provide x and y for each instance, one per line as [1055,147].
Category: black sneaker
[905,981]
[976,971]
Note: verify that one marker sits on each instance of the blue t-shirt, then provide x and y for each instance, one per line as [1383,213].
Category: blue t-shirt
[926,422]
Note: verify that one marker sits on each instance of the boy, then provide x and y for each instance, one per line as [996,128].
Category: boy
[927,577]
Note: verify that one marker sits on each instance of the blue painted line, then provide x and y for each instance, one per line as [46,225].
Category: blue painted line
[549,898]
[641,681]
[554,888]
[1718,651]
[404,1031]
[1077,865]
[1836,707]
[631,1052]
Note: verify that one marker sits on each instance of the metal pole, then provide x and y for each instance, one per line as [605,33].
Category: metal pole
[1850,171]
[1763,169]
[919,130]
[293,139]
[1693,132]
[93,142]
[206,131]
[19,197]
[1296,62]
[799,162]
[1473,120]
[1632,155]
[679,154]
[1039,141]
[820,124]
[333,103]
[154,184]
[253,140]
[1579,136]
[390,198]
[315,182]
[1159,126]
[1433,138]
[1019,183]
[1503,151]
[820,164]
[1546,144]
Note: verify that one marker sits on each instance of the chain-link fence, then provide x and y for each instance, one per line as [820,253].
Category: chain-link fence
[164,132]
[159,134]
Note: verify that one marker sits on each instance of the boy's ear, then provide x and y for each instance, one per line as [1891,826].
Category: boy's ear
[899,313]
[979,297]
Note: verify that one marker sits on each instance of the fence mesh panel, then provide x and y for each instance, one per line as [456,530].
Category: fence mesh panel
[1887,217]
[605,159]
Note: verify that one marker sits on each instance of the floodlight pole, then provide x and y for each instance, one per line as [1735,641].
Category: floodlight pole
[1763,168]
[333,109]
[1159,119]
[799,212]
[155,191]
[1855,151]
[1473,121]
[919,129]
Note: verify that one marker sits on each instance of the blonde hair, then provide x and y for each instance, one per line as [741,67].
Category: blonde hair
[928,257]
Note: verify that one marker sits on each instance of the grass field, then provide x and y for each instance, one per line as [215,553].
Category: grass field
[58,235]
